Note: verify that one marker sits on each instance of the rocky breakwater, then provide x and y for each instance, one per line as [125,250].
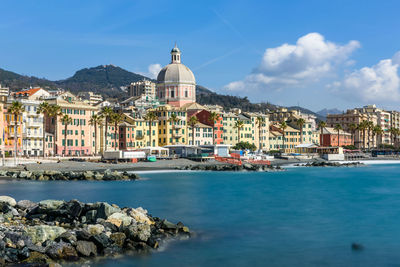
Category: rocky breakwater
[230,167]
[53,231]
[107,175]
[330,164]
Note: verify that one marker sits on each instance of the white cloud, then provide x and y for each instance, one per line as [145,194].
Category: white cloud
[152,71]
[379,83]
[309,60]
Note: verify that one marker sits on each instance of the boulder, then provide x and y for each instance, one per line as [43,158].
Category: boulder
[62,251]
[105,210]
[86,248]
[26,204]
[138,232]
[41,233]
[118,239]
[119,219]
[36,258]
[9,200]
[51,204]
[67,237]
[140,215]
[95,229]
[101,241]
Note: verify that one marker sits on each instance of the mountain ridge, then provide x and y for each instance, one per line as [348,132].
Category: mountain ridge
[108,80]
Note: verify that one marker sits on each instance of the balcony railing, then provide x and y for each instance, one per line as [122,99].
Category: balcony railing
[139,137]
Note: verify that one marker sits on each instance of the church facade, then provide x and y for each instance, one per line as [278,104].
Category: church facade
[176,84]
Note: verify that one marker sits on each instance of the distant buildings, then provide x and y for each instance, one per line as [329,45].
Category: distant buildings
[4,91]
[143,88]
[91,98]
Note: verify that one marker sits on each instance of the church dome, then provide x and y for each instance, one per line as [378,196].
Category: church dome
[176,73]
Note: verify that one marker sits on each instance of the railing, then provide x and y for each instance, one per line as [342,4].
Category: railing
[139,137]
[229,160]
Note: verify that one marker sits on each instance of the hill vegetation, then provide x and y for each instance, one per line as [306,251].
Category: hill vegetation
[108,80]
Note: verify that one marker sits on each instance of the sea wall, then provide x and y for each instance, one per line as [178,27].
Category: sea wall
[107,175]
[55,230]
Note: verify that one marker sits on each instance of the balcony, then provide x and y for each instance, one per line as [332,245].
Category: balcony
[139,137]
[34,124]
[176,135]
[32,135]
[178,126]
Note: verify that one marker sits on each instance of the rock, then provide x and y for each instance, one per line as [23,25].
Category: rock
[95,229]
[90,216]
[62,251]
[138,232]
[24,175]
[105,210]
[82,235]
[357,246]
[9,200]
[140,215]
[26,204]
[51,204]
[118,238]
[36,257]
[168,225]
[119,219]
[89,175]
[86,248]
[101,241]
[41,233]
[67,237]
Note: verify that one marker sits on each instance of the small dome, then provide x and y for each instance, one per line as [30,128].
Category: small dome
[175,49]
[176,73]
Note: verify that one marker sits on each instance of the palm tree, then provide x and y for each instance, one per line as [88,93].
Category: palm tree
[213,117]
[393,132]
[96,120]
[338,127]
[116,118]
[66,120]
[376,131]
[362,127]
[352,129]
[16,110]
[300,122]
[150,117]
[260,120]
[370,127]
[107,112]
[174,120]
[238,125]
[192,123]
[45,109]
[54,112]
[321,126]
[283,125]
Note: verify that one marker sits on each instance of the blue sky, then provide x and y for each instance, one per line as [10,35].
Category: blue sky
[313,53]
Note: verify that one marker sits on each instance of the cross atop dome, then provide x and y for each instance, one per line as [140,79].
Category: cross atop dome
[175,55]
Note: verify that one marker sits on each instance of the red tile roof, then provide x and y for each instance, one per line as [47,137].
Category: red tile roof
[28,92]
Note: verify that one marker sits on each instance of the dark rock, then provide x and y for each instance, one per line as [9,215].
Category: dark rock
[62,251]
[67,237]
[86,248]
[83,235]
[37,257]
[101,241]
[357,246]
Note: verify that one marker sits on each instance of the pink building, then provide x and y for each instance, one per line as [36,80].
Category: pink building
[80,134]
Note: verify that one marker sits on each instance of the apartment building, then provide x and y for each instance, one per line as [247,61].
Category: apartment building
[143,88]
[171,133]
[202,134]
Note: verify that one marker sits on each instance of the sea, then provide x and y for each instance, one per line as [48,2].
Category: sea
[298,217]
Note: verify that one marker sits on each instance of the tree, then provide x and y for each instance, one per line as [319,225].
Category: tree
[260,121]
[116,118]
[370,127]
[16,110]
[54,112]
[107,112]
[300,122]
[244,146]
[376,131]
[173,120]
[150,117]
[213,117]
[321,126]
[362,127]
[238,125]
[283,126]
[337,128]
[352,129]
[192,123]
[66,120]
[45,109]
[95,120]
[393,132]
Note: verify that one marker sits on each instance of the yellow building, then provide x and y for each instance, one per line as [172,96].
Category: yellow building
[169,132]
[275,140]
[260,130]
[230,133]
[292,138]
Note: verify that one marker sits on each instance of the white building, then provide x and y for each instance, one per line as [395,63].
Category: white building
[32,128]
[90,97]
[143,88]
[4,91]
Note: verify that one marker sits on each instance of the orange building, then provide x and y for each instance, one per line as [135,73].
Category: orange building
[330,138]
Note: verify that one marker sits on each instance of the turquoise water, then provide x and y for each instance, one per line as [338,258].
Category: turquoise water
[301,217]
